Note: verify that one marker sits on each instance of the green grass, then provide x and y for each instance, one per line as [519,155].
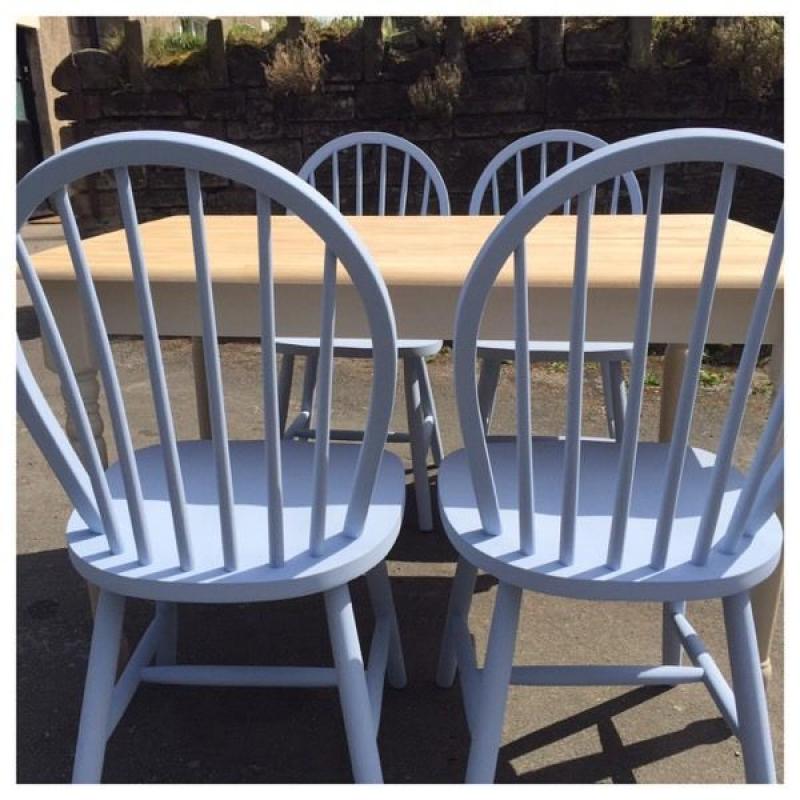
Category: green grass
[243,34]
[652,379]
[710,378]
[337,28]
[495,28]
[172,49]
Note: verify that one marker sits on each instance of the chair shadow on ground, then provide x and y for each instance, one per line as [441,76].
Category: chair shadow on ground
[219,735]
[615,761]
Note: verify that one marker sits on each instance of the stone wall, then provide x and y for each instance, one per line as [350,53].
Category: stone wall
[545,75]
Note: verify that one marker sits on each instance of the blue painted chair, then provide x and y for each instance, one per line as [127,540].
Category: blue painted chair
[601,520]
[506,169]
[219,521]
[352,152]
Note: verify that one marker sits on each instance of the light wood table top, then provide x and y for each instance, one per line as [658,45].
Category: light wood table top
[428,251]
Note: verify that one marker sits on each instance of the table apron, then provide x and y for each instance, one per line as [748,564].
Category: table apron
[421,311]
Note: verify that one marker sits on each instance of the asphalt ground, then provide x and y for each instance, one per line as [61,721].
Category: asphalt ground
[210,735]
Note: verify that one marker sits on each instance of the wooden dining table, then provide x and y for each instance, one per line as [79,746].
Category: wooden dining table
[423,261]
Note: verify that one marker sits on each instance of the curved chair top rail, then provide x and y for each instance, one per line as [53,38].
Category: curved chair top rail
[652,152]
[541,139]
[386,142]
[271,183]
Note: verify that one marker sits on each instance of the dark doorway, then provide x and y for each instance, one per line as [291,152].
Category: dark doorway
[29,148]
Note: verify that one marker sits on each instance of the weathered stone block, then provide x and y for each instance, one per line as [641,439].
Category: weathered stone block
[175,178]
[483,125]
[662,94]
[261,120]
[215,47]
[536,92]
[161,198]
[389,100]
[144,104]
[743,109]
[418,129]
[318,107]
[68,135]
[407,67]
[231,200]
[596,46]
[640,39]
[214,128]
[100,127]
[78,106]
[223,104]
[344,57]
[288,154]
[316,134]
[259,102]
[372,37]
[454,40]
[254,130]
[489,54]
[104,181]
[494,95]
[402,41]
[461,161]
[550,43]
[246,65]
[191,75]
[87,69]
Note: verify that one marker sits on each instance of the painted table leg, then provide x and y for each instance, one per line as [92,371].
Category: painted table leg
[200,388]
[89,387]
[765,599]
[672,374]
[766,596]
[64,303]
[674,364]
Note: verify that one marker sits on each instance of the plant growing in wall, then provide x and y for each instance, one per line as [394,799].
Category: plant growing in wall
[752,49]
[492,29]
[173,49]
[679,41]
[296,67]
[437,95]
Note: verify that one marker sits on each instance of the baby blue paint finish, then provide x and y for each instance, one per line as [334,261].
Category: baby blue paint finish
[219,521]
[423,428]
[608,355]
[629,521]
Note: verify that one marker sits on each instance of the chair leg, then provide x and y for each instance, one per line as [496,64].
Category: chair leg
[380,593]
[619,397]
[457,607]
[429,409]
[284,390]
[352,681]
[166,654]
[493,686]
[608,397]
[302,422]
[201,388]
[100,676]
[419,444]
[748,689]
[671,646]
[309,389]
[487,389]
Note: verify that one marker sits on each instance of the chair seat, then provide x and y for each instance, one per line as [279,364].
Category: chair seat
[343,558]
[555,351]
[356,348]
[588,577]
